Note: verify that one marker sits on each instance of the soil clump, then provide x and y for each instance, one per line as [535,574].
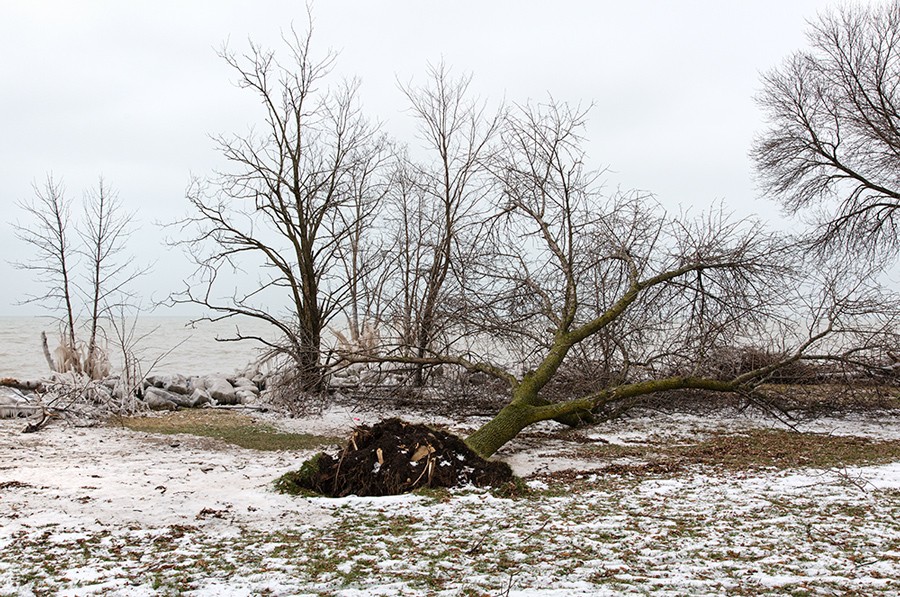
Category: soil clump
[394,457]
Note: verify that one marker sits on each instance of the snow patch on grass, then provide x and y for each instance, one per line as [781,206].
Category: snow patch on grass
[113,512]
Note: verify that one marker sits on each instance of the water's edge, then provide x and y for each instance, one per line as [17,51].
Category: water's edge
[165,345]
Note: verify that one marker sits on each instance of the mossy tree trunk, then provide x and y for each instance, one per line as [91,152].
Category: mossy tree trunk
[526,406]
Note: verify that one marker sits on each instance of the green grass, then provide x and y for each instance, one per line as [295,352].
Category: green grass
[234,428]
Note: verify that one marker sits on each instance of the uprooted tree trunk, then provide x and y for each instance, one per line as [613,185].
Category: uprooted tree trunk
[527,407]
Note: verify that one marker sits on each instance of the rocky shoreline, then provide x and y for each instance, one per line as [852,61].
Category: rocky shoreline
[173,391]
[169,392]
[155,392]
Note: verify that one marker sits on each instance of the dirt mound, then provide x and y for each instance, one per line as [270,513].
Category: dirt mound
[394,457]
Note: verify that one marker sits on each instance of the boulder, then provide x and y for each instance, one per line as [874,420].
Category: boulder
[112,381]
[199,397]
[354,369]
[242,383]
[220,390]
[479,378]
[370,376]
[158,399]
[182,400]
[245,396]
[177,384]
[174,383]
[344,382]
[259,379]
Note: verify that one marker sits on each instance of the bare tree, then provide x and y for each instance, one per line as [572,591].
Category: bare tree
[48,238]
[834,136]
[87,278]
[105,228]
[289,206]
[438,203]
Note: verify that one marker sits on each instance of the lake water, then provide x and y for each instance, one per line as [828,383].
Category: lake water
[191,350]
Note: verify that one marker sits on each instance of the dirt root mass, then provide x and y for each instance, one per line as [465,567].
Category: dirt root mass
[394,457]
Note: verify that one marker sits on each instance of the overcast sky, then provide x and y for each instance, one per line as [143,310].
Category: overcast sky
[132,90]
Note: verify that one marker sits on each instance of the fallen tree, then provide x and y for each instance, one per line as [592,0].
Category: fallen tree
[570,274]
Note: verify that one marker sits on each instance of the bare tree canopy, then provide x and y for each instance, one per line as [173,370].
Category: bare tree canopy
[87,280]
[105,230]
[48,237]
[437,206]
[561,277]
[833,145]
[293,202]
[497,249]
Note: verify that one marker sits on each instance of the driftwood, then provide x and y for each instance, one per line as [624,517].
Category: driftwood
[253,407]
[47,354]
[47,415]
[25,385]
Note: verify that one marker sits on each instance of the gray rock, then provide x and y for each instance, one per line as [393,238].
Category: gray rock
[242,383]
[245,396]
[177,384]
[100,393]
[220,390]
[354,369]
[371,376]
[182,400]
[479,378]
[158,399]
[345,382]
[111,381]
[119,390]
[199,397]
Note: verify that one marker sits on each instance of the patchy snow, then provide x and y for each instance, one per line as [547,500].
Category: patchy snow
[108,511]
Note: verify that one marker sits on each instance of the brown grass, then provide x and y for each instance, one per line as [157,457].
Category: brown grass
[780,449]
[235,428]
[751,449]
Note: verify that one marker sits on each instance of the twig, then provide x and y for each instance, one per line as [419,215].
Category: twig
[535,532]
[45,418]
[477,547]
[509,586]
[857,481]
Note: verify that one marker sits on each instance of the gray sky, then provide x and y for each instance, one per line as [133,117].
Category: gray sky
[132,90]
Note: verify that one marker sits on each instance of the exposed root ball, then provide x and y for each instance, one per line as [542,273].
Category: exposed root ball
[394,457]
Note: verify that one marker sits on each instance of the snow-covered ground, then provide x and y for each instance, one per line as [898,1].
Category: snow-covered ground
[109,511]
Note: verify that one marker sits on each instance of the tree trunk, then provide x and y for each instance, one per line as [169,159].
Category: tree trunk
[525,409]
[490,437]
[307,360]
